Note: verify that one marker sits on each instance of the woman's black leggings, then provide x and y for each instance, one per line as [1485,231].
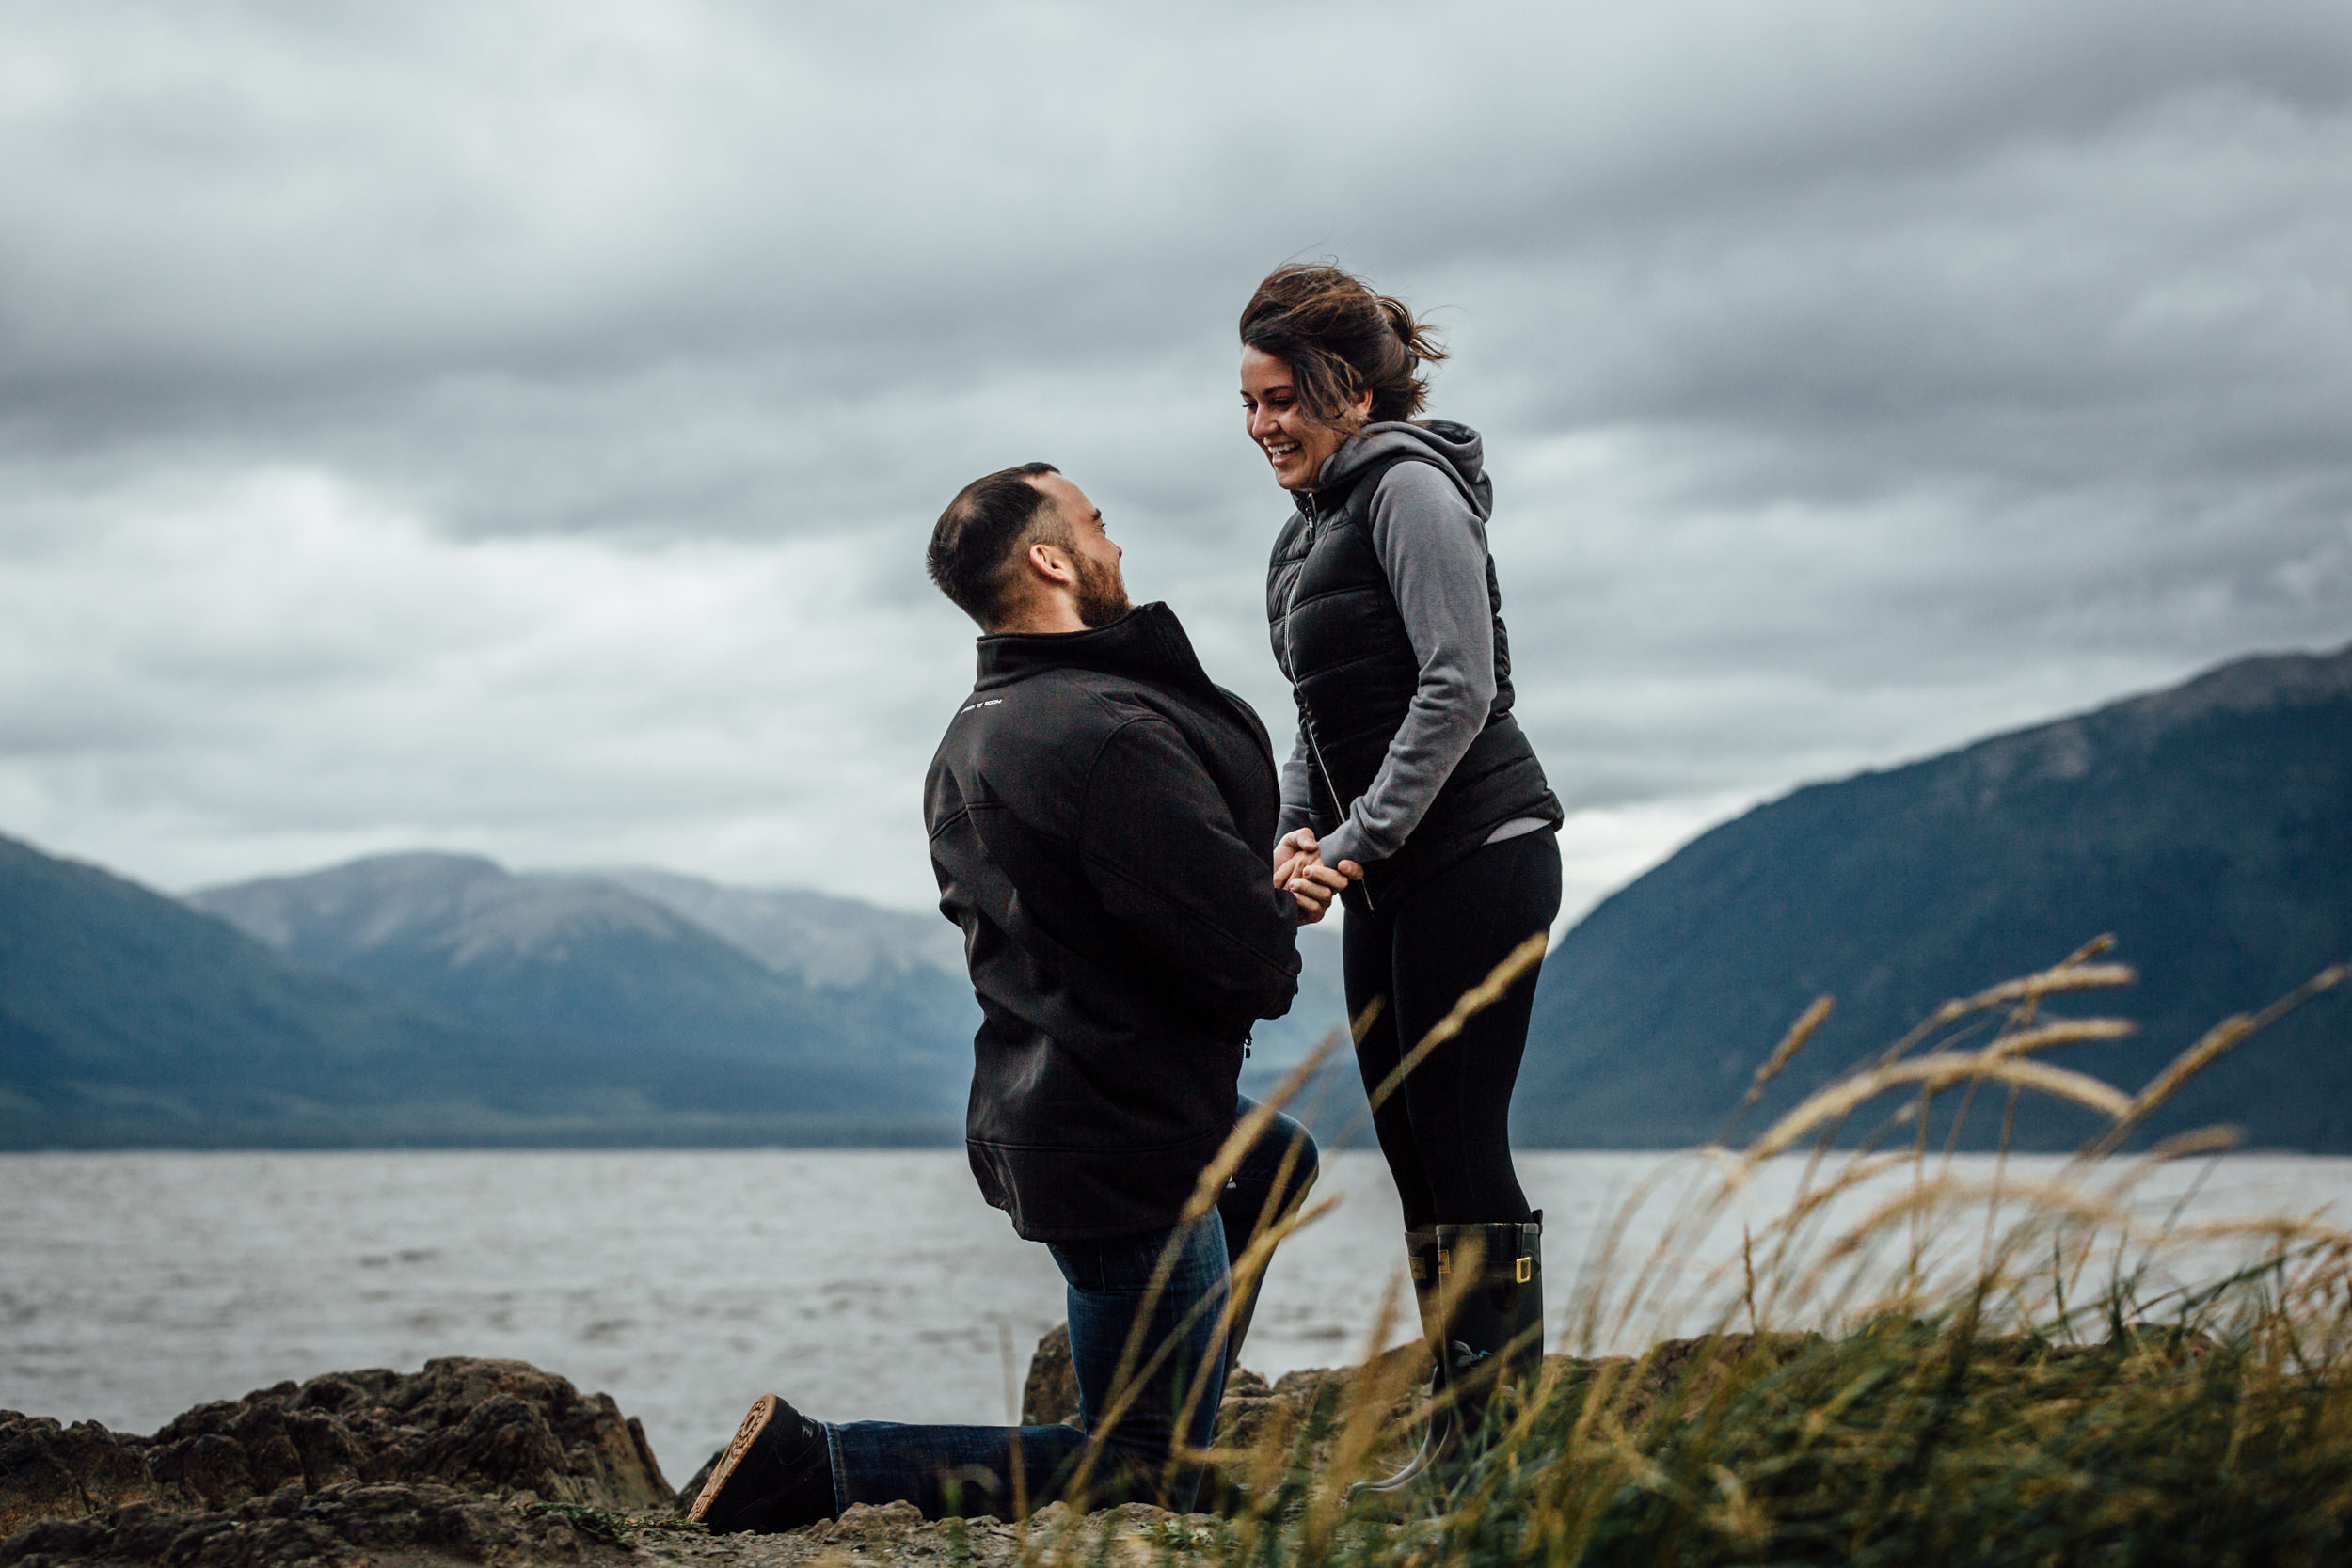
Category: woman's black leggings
[1447,1132]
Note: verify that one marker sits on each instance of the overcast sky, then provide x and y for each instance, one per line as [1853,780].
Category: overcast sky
[515,428]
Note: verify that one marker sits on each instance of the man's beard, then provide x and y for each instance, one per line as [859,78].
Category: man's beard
[1101,593]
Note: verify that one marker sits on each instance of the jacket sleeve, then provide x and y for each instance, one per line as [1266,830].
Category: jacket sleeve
[1433,547]
[1171,866]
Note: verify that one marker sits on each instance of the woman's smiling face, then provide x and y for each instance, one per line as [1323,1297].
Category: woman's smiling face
[1294,444]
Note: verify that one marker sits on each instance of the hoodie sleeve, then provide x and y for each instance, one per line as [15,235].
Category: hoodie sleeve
[1170,865]
[1433,547]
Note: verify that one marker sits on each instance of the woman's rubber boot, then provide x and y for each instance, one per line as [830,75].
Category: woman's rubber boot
[1439,1441]
[1495,1328]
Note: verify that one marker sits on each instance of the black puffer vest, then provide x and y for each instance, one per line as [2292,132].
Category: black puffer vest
[1342,642]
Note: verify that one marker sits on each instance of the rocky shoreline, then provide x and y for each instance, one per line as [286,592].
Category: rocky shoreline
[1907,1431]
[500,1462]
[472,1460]
[476,1462]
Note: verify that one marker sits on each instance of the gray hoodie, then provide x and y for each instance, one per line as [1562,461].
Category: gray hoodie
[1429,529]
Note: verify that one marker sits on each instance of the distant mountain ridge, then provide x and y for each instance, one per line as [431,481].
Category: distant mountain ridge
[2066,750]
[2208,827]
[643,955]
[579,962]
[829,943]
[542,953]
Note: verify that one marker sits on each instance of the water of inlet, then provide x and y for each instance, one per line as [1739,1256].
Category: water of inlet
[859,1285]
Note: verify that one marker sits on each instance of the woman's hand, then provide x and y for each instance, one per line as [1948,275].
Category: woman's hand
[1314,887]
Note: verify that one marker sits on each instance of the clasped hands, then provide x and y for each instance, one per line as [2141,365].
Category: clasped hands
[1298,870]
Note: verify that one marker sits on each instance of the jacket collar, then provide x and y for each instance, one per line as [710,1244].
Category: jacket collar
[1146,643]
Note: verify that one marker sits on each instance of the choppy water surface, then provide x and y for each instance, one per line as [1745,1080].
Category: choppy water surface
[860,1285]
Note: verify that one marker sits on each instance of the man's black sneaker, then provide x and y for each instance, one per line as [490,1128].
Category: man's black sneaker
[777,1475]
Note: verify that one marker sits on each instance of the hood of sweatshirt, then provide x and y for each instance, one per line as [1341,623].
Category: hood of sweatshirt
[1461,450]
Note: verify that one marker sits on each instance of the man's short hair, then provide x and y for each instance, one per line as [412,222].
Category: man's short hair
[991,520]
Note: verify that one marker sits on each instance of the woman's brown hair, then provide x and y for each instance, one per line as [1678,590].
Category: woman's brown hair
[1341,340]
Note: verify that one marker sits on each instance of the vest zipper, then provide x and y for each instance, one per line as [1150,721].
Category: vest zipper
[1316,747]
[1306,721]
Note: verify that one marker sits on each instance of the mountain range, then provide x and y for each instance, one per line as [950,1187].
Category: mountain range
[429,998]
[2208,829]
[432,998]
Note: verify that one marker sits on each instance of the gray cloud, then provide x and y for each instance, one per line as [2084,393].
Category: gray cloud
[403,410]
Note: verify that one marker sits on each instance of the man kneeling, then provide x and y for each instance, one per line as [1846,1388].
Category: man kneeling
[1098,812]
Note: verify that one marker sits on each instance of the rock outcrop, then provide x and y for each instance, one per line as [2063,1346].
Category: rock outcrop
[460,1426]
[346,1524]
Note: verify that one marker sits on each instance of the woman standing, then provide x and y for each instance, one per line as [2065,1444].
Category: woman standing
[1410,776]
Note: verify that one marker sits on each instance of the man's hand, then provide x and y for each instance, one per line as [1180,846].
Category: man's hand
[1296,845]
[1298,869]
[1292,856]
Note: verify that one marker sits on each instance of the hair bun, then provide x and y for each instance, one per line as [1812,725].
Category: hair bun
[1342,340]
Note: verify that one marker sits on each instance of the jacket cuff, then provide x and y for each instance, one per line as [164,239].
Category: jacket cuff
[1291,819]
[1344,842]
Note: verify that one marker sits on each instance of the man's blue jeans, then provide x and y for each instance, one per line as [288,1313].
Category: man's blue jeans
[976,1471]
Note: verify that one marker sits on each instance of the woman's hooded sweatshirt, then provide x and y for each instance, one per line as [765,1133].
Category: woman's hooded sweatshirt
[1387,617]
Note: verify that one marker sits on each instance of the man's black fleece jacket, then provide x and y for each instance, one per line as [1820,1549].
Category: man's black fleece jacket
[1099,812]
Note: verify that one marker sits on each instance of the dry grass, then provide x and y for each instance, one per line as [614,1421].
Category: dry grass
[1962,1368]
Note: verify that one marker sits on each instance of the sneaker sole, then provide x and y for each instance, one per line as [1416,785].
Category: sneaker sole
[755,1421]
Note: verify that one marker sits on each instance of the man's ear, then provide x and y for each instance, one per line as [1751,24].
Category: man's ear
[1048,561]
